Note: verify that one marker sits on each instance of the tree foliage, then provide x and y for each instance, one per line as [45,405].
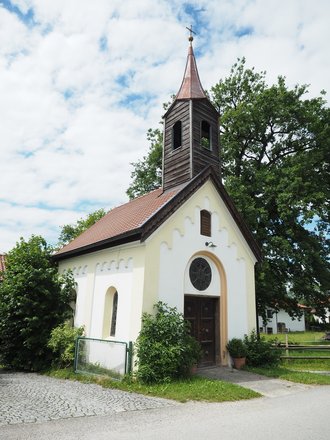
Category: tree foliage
[275,165]
[69,232]
[147,173]
[33,300]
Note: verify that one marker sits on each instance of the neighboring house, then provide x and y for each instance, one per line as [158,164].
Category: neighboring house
[281,322]
[184,244]
[2,265]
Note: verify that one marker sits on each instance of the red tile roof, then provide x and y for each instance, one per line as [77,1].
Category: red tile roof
[122,220]
[139,218]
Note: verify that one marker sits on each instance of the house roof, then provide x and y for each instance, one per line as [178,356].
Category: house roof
[139,218]
[121,223]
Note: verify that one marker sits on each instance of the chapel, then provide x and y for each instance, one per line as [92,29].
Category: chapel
[184,244]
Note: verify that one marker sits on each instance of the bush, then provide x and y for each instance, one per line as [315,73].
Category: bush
[236,348]
[62,344]
[34,299]
[164,348]
[260,352]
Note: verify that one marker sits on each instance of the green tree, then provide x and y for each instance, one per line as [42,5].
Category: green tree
[147,173]
[275,165]
[33,300]
[69,232]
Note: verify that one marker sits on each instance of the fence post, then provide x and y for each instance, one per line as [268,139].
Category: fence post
[286,345]
[76,355]
[129,357]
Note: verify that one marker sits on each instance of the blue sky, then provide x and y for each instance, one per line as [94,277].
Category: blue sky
[80,86]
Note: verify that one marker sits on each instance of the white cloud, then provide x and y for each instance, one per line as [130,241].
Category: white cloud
[69,128]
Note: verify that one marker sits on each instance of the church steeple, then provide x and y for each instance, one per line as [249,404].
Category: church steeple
[191,130]
[191,86]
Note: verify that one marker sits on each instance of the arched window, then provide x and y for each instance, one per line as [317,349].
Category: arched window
[206,135]
[114,314]
[110,313]
[177,135]
[73,305]
[205,221]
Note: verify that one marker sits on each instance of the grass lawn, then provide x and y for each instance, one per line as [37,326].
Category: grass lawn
[195,388]
[288,373]
[298,337]
[297,370]
[309,365]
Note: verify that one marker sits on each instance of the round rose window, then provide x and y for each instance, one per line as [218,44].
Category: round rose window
[200,273]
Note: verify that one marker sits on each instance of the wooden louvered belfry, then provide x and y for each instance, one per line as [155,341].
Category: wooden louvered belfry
[191,130]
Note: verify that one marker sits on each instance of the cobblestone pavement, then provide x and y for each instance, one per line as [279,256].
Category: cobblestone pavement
[30,397]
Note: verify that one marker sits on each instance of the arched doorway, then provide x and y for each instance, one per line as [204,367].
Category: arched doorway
[205,306]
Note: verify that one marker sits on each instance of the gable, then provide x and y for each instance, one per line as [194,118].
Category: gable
[187,191]
[206,198]
[139,218]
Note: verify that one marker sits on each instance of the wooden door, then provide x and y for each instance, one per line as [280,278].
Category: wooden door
[201,313]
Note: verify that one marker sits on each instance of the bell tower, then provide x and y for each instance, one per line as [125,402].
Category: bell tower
[191,130]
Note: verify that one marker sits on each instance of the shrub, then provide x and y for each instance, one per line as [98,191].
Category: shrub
[260,352]
[236,348]
[62,344]
[164,348]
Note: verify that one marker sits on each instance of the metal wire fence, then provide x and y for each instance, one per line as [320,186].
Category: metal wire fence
[103,357]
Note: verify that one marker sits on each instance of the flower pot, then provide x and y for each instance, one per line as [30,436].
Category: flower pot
[193,369]
[239,362]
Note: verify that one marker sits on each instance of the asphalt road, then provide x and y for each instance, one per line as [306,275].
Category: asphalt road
[300,415]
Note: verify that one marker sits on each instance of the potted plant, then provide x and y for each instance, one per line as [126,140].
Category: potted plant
[238,351]
[194,354]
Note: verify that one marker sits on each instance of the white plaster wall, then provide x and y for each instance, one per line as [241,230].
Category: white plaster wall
[238,319]
[120,277]
[157,270]
[292,324]
[175,261]
[121,267]
[179,239]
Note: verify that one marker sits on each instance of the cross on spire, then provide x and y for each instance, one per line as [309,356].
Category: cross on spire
[191,87]
[191,38]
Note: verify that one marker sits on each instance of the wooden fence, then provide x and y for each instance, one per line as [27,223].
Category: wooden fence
[308,347]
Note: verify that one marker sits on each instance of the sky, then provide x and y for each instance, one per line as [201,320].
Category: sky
[82,81]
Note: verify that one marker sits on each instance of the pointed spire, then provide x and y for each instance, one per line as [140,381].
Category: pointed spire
[191,86]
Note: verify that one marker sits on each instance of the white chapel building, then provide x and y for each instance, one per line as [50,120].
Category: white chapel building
[183,244]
